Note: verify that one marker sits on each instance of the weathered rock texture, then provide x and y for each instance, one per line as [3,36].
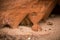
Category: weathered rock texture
[12,12]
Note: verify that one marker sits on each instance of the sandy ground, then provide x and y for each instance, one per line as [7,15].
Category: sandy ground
[50,31]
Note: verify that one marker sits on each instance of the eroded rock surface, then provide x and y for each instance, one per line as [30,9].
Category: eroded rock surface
[12,12]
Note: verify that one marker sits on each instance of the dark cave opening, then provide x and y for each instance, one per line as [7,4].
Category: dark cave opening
[56,10]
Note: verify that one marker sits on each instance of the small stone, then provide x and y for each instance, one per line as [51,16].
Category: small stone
[45,30]
[49,23]
[49,29]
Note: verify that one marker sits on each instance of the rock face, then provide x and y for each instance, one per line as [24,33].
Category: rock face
[12,12]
